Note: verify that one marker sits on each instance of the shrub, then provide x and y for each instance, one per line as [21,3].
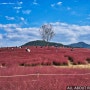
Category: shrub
[22,64]
[56,63]
[88,60]
[70,59]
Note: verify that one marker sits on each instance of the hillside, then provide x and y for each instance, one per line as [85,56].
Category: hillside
[44,43]
[80,44]
[41,43]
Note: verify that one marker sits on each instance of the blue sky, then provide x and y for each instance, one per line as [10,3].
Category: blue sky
[20,20]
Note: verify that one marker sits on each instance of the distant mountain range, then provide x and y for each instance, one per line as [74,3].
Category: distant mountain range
[44,43]
[80,45]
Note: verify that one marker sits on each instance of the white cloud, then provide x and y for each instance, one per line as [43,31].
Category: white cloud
[26,11]
[35,2]
[70,31]
[59,3]
[8,25]
[52,5]
[68,8]
[65,33]
[56,4]
[17,11]
[10,18]
[1,36]
[9,3]
[19,3]
[17,8]
[75,13]
[15,33]
[22,18]
[23,21]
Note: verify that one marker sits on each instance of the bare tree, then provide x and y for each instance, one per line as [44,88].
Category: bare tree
[46,32]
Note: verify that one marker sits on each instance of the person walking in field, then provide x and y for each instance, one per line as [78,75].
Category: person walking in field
[28,50]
